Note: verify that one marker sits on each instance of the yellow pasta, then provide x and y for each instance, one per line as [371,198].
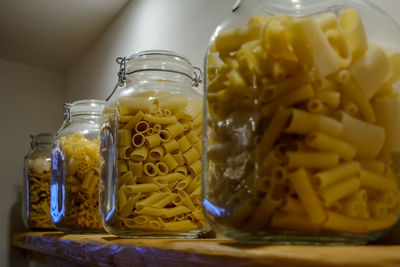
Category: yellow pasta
[192,137]
[371,70]
[139,154]
[328,22]
[171,145]
[366,137]
[353,31]
[133,121]
[342,223]
[340,46]
[131,105]
[150,169]
[328,177]
[324,142]
[169,160]
[156,153]
[142,126]
[195,168]
[164,135]
[275,127]
[183,144]
[376,181]
[301,127]
[175,129]
[152,140]
[138,140]
[307,195]
[316,53]
[302,122]
[191,156]
[340,190]
[303,93]
[82,181]
[281,220]
[124,137]
[312,160]
[172,101]
[179,158]
[162,168]
[160,120]
[386,110]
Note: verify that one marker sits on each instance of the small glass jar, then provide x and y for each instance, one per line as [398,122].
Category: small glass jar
[36,183]
[151,150]
[75,169]
[303,129]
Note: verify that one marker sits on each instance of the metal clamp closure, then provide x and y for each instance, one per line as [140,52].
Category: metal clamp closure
[67,112]
[198,76]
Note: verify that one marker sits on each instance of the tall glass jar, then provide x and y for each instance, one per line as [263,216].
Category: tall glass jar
[151,150]
[302,129]
[36,183]
[75,169]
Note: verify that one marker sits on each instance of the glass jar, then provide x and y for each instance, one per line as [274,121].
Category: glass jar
[303,126]
[151,150]
[36,183]
[75,169]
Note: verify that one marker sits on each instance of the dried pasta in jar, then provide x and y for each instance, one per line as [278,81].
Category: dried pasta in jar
[302,130]
[156,190]
[36,185]
[75,171]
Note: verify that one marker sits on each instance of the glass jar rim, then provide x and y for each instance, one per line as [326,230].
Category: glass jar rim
[159,60]
[42,138]
[87,107]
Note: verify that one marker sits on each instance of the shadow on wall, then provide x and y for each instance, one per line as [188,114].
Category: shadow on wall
[15,255]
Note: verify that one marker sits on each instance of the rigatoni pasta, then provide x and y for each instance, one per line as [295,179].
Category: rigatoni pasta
[302,127]
[82,181]
[159,190]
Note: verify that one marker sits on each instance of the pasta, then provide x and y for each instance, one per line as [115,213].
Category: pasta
[82,181]
[38,171]
[302,127]
[157,169]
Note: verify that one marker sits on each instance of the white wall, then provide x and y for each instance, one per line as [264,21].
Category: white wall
[184,26]
[31,102]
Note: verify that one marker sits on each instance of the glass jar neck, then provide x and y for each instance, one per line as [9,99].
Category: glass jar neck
[42,147]
[293,8]
[84,117]
[159,80]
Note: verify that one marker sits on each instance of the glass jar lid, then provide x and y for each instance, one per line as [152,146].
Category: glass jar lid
[42,138]
[85,107]
[295,8]
[159,60]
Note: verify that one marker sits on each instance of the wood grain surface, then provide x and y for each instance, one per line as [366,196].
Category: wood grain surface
[108,250]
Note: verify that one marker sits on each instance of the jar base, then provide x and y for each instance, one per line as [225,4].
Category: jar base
[288,237]
[200,233]
[80,231]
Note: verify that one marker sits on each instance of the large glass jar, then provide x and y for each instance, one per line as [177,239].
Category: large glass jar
[151,150]
[75,169]
[302,129]
[36,183]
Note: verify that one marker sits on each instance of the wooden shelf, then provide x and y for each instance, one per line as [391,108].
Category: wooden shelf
[108,250]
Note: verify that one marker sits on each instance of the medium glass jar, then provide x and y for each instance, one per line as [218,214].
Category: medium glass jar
[302,129]
[75,169]
[151,150]
[36,183]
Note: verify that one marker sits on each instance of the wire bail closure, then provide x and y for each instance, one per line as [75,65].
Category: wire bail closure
[67,112]
[196,79]
[33,141]
[198,76]
[121,75]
